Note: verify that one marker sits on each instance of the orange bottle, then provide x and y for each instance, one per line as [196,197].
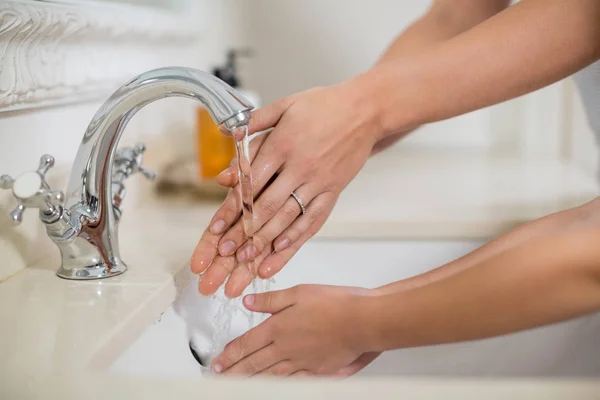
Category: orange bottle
[215,150]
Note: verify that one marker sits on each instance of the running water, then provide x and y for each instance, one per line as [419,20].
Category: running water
[227,308]
[242,150]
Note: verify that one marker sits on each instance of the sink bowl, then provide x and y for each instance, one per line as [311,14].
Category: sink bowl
[570,349]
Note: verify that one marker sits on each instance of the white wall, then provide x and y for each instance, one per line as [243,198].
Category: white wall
[580,145]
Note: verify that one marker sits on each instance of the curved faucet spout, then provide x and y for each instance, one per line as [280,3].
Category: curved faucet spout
[93,252]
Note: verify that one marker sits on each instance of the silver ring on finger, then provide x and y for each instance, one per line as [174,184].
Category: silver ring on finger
[299,201]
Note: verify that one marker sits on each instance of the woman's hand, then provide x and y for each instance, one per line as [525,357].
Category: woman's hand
[321,139]
[314,330]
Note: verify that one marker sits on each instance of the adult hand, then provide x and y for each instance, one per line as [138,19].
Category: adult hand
[321,139]
[313,330]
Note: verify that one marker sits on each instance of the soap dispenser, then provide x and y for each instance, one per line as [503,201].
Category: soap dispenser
[215,150]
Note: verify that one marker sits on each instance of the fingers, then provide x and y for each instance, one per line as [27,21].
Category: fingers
[243,274]
[255,363]
[206,250]
[267,117]
[229,176]
[301,374]
[270,302]
[284,217]
[245,345]
[215,275]
[318,210]
[225,215]
[204,253]
[281,369]
[265,207]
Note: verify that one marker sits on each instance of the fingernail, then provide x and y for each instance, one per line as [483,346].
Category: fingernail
[217,368]
[227,248]
[217,227]
[249,300]
[264,272]
[282,245]
[247,253]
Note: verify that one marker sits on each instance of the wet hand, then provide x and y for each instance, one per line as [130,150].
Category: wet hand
[321,139]
[314,330]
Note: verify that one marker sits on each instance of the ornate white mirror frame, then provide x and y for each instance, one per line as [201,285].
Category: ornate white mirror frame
[65,51]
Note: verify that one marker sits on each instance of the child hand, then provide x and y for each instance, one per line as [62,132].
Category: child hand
[314,329]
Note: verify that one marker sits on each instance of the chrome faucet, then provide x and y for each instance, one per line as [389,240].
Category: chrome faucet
[83,224]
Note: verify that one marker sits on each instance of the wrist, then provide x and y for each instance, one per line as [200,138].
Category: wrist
[389,97]
[367,330]
[365,106]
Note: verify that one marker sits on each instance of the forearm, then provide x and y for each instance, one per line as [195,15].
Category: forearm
[444,20]
[546,280]
[523,48]
[586,215]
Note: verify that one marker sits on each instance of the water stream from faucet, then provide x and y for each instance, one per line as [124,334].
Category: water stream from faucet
[242,149]
[228,308]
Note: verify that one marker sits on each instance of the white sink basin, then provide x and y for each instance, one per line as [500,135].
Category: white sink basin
[565,350]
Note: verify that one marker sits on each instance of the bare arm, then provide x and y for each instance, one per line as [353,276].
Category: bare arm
[510,54]
[443,85]
[444,20]
[587,215]
[546,280]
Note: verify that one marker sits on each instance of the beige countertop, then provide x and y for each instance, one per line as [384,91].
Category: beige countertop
[52,326]
[100,386]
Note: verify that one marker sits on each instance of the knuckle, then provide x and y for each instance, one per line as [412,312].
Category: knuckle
[268,300]
[290,213]
[310,163]
[259,241]
[282,369]
[322,370]
[254,365]
[242,345]
[292,234]
[229,209]
[313,213]
[235,233]
[268,206]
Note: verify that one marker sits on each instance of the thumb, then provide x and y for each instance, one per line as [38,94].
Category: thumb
[268,116]
[269,302]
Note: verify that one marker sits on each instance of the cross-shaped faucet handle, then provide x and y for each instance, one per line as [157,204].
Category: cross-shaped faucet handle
[31,190]
[129,160]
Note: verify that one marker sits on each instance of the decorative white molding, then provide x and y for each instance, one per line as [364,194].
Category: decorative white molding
[54,52]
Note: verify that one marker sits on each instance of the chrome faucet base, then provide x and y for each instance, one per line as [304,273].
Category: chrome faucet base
[98,271]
